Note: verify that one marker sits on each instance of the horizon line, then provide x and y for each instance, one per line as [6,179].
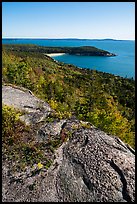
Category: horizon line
[42,38]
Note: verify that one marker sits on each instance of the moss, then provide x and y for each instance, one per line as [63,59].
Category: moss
[48,164]
[75,126]
[85,124]
[50,119]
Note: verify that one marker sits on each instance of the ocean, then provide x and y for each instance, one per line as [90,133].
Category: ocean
[122,65]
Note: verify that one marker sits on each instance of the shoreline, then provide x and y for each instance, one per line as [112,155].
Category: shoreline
[55,54]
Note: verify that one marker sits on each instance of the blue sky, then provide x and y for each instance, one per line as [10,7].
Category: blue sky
[91,20]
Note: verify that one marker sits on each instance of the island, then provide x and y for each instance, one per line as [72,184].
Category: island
[81,51]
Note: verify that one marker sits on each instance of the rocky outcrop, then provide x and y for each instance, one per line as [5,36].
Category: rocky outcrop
[96,168]
[90,166]
[35,110]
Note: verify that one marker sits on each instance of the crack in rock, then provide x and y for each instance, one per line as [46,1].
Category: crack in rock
[123,180]
[85,177]
[85,142]
[131,149]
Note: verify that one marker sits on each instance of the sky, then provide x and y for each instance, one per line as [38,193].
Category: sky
[84,20]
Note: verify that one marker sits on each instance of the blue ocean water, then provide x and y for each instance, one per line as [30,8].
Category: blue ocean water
[122,65]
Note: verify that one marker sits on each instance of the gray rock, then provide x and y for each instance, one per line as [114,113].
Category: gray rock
[51,130]
[23,99]
[96,168]
[90,166]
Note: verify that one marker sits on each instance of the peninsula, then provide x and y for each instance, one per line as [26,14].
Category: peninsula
[82,50]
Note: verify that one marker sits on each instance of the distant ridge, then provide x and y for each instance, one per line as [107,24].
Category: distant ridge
[107,39]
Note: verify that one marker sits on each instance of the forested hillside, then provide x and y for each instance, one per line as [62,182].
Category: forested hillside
[83,50]
[105,100]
